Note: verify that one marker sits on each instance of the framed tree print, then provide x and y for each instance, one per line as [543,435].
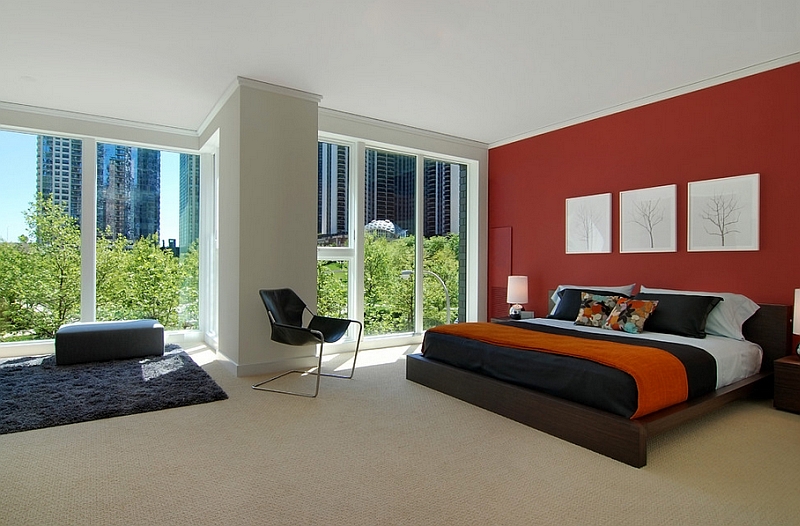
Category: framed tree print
[723,214]
[588,224]
[647,220]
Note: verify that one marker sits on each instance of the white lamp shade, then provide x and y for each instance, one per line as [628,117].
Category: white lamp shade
[517,289]
[796,328]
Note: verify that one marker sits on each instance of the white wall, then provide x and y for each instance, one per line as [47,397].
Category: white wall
[267,217]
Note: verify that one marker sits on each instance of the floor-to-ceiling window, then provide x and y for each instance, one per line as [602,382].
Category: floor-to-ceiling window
[390,229]
[145,246]
[335,253]
[148,231]
[404,269]
[444,242]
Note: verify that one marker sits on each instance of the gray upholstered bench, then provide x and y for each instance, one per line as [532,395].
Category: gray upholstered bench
[108,340]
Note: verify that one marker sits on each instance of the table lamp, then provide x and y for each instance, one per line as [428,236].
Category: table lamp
[517,294]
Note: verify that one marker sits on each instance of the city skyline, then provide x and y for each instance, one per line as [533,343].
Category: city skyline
[18,177]
[390,186]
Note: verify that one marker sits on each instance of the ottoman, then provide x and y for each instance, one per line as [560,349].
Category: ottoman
[108,340]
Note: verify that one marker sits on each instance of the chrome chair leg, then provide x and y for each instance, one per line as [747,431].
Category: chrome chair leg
[355,357]
[295,393]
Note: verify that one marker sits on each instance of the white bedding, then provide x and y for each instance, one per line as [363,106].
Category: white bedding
[735,359]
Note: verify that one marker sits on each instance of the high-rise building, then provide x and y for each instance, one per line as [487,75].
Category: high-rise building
[440,211]
[390,189]
[189,201]
[114,184]
[128,190]
[146,192]
[332,193]
[58,171]
[389,193]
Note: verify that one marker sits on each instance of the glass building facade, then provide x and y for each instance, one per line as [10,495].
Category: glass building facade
[189,201]
[128,190]
[59,165]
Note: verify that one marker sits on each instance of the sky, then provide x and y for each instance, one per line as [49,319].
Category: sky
[18,185]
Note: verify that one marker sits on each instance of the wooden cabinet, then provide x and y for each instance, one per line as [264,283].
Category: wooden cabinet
[787,383]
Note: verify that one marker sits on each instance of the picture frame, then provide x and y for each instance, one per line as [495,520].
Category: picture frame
[648,220]
[724,214]
[588,224]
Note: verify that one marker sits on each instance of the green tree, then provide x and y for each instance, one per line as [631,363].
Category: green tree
[11,266]
[112,277]
[388,299]
[41,274]
[40,278]
[189,310]
[440,257]
[332,288]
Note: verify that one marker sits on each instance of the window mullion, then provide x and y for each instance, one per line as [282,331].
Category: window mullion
[357,194]
[88,230]
[419,214]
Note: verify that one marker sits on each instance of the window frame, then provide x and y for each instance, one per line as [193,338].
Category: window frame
[208,324]
[359,147]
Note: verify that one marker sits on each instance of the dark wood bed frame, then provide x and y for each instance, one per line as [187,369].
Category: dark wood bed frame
[617,437]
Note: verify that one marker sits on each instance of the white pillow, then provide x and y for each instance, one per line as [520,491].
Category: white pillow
[727,318]
[624,289]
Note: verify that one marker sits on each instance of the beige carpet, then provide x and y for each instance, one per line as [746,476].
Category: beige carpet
[379,449]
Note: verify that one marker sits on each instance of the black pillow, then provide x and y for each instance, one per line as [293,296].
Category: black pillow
[570,302]
[680,314]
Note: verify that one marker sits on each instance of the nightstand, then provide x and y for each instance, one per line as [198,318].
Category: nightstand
[526,316]
[787,383]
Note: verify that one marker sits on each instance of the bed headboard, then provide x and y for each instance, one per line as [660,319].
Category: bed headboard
[770,327]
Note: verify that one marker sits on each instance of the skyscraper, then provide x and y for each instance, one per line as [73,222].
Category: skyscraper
[436,198]
[437,184]
[390,188]
[146,192]
[332,193]
[189,201]
[58,171]
[128,190]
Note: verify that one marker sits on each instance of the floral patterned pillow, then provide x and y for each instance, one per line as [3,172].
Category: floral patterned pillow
[629,315]
[595,309]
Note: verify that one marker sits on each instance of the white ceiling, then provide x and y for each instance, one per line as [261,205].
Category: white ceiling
[487,70]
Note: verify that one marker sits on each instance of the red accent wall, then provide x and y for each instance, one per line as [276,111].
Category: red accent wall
[750,125]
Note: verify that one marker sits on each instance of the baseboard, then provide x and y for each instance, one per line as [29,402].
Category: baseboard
[256,369]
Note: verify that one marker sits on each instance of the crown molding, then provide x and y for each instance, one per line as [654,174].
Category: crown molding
[254,84]
[281,90]
[668,94]
[369,121]
[95,119]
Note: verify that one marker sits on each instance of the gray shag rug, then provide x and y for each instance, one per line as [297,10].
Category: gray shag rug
[37,393]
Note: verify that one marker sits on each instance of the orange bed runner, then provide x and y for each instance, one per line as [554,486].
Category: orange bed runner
[660,377]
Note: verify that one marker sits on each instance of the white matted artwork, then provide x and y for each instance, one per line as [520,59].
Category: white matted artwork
[647,220]
[723,214]
[589,224]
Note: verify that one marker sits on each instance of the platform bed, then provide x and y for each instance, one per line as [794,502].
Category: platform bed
[611,435]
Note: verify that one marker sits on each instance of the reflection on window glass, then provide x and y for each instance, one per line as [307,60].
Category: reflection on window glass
[333,195]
